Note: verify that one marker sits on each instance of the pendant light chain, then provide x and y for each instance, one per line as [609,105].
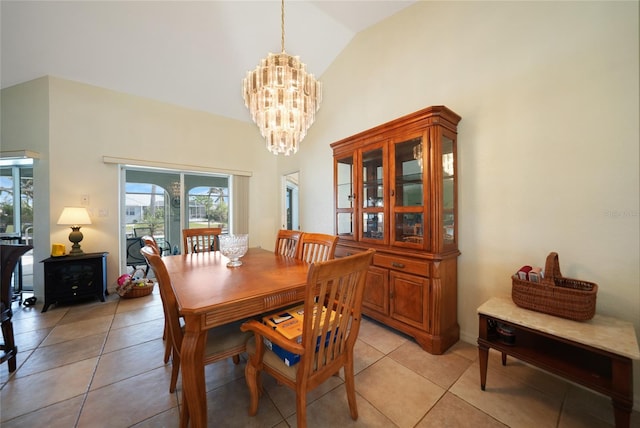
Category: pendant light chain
[282,24]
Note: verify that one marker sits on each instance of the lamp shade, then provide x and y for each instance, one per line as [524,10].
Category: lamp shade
[74,216]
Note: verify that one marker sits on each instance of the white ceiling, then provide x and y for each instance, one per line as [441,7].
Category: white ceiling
[193,54]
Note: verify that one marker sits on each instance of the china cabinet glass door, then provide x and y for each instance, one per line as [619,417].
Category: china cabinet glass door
[408,194]
[373,190]
[449,195]
[345,196]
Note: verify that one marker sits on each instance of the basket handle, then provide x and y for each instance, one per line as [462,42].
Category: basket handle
[551,269]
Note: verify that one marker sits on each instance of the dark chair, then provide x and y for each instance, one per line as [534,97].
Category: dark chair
[134,258]
[10,256]
[141,231]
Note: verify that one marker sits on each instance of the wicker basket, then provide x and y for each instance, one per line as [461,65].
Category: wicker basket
[556,295]
[131,291]
[139,291]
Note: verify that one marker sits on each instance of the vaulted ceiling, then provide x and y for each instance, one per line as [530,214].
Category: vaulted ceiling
[192,54]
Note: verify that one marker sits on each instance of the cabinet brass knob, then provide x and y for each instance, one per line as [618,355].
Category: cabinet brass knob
[398,265]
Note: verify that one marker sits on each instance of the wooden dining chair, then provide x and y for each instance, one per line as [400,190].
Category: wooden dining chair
[327,342]
[316,247]
[287,242]
[222,342]
[150,241]
[9,258]
[201,240]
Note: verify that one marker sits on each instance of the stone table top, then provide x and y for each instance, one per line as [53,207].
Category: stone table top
[600,332]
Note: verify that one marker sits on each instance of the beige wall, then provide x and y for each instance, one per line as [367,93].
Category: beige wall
[87,123]
[548,142]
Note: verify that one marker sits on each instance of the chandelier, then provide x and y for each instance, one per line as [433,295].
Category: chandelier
[282,98]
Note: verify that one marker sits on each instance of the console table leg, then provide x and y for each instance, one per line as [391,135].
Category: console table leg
[483,354]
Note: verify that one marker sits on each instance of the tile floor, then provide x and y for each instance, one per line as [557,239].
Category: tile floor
[100,365]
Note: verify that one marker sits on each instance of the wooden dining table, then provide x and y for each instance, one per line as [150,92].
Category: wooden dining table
[210,294]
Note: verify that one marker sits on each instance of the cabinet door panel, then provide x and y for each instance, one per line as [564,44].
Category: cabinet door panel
[376,291]
[409,299]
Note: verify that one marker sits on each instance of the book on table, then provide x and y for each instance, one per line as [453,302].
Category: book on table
[289,323]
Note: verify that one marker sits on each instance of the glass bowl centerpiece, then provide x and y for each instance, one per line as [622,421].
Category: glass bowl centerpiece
[233,247]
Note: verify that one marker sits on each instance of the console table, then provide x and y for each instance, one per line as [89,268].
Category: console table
[72,278]
[597,353]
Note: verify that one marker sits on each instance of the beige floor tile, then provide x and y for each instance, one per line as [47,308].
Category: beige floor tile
[527,374]
[379,336]
[222,372]
[228,406]
[442,370]
[126,305]
[77,330]
[4,368]
[465,350]
[167,419]
[63,353]
[128,402]
[30,319]
[508,400]
[364,355]
[284,397]
[452,412]
[137,316]
[332,410]
[131,361]
[93,310]
[27,394]
[134,335]
[584,407]
[30,339]
[59,415]
[397,391]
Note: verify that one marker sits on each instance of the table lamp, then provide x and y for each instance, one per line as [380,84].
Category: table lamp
[74,217]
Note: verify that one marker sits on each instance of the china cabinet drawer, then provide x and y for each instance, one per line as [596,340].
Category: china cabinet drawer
[416,267]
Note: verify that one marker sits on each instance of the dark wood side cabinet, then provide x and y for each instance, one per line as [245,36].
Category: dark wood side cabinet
[395,190]
[74,278]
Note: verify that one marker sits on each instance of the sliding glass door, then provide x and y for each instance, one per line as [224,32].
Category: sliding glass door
[161,203]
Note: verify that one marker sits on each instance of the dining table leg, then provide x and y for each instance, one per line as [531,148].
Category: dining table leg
[192,366]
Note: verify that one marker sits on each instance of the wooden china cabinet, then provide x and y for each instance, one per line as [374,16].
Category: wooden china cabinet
[395,191]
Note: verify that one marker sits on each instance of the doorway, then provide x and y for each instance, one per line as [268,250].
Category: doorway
[291,203]
[16,213]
